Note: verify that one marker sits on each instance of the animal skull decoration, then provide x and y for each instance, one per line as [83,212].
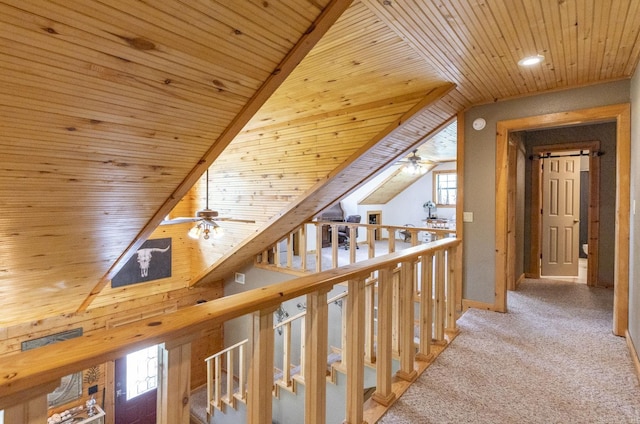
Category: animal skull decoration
[144,258]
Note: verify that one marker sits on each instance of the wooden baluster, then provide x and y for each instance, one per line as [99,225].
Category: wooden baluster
[32,410]
[439,298]
[369,327]
[259,408]
[210,379]
[316,334]
[242,391]
[405,324]
[426,308]
[302,240]
[290,251]
[371,242]
[303,348]
[451,291]
[174,390]
[217,383]
[392,240]
[384,355]
[414,237]
[286,354]
[395,319]
[278,254]
[353,243]
[230,398]
[319,248]
[355,352]
[334,246]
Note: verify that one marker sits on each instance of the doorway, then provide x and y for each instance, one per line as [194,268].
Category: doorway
[136,382]
[539,258]
[621,115]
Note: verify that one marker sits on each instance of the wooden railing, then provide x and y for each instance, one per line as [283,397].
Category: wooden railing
[308,250]
[216,375]
[28,376]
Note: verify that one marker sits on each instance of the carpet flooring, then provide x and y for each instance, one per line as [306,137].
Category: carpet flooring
[551,359]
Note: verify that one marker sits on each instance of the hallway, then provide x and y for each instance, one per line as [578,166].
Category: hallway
[551,358]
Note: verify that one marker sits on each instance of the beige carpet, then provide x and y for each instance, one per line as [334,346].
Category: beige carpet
[551,359]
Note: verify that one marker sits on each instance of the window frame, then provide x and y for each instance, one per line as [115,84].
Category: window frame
[436,198]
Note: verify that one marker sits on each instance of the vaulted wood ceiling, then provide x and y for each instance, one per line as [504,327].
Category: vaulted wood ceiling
[112,110]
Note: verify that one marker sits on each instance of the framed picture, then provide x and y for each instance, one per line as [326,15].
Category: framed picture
[152,261]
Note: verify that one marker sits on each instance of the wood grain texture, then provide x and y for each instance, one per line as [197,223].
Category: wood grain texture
[113,110]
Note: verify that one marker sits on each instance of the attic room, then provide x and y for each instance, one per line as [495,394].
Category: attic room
[123,121]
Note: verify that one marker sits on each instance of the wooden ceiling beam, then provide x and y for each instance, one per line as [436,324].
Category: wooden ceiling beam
[320,26]
[363,164]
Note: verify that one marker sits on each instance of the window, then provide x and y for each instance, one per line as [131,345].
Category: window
[445,188]
[142,371]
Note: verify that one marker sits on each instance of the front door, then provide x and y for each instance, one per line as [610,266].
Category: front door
[560,215]
[136,382]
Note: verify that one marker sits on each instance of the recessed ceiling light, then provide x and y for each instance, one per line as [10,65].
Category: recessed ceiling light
[531,60]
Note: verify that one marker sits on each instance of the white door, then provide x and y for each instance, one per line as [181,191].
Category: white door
[560,215]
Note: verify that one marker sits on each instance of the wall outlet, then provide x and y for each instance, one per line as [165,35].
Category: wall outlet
[467,216]
[239,278]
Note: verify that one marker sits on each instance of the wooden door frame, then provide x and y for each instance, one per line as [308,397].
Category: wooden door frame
[621,115]
[593,211]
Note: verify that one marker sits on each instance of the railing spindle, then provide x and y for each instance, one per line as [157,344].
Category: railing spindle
[426,308]
[355,352]
[405,324]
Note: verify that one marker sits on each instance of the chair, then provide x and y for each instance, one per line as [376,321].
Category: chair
[344,233]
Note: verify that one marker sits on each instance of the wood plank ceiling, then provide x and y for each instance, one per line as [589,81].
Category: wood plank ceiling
[113,109]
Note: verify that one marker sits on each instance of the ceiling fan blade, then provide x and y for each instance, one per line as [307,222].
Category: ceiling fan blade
[180,220]
[247,221]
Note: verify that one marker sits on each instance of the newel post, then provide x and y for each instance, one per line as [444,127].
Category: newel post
[384,358]
[355,352]
[259,409]
[175,388]
[316,349]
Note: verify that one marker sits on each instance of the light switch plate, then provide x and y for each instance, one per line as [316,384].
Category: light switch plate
[467,216]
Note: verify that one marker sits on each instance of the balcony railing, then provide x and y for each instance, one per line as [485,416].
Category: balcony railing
[425,271]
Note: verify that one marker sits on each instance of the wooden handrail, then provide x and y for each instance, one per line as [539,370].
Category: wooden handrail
[23,372]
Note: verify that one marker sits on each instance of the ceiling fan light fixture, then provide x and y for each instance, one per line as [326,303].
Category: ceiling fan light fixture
[531,60]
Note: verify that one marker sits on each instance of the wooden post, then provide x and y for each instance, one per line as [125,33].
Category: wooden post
[439,298]
[33,410]
[174,389]
[405,324]
[355,352]
[319,248]
[316,333]
[384,358]
[334,246]
[353,243]
[303,247]
[426,310]
[369,327]
[259,409]
[451,290]
[286,354]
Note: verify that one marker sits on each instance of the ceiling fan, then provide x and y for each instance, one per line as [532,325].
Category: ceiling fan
[206,220]
[414,165]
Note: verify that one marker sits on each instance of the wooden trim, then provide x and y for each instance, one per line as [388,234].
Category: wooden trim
[512,153]
[619,113]
[519,280]
[634,353]
[316,31]
[473,304]
[460,209]
[593,212]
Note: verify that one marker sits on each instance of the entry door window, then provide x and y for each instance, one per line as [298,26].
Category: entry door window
[142,371]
